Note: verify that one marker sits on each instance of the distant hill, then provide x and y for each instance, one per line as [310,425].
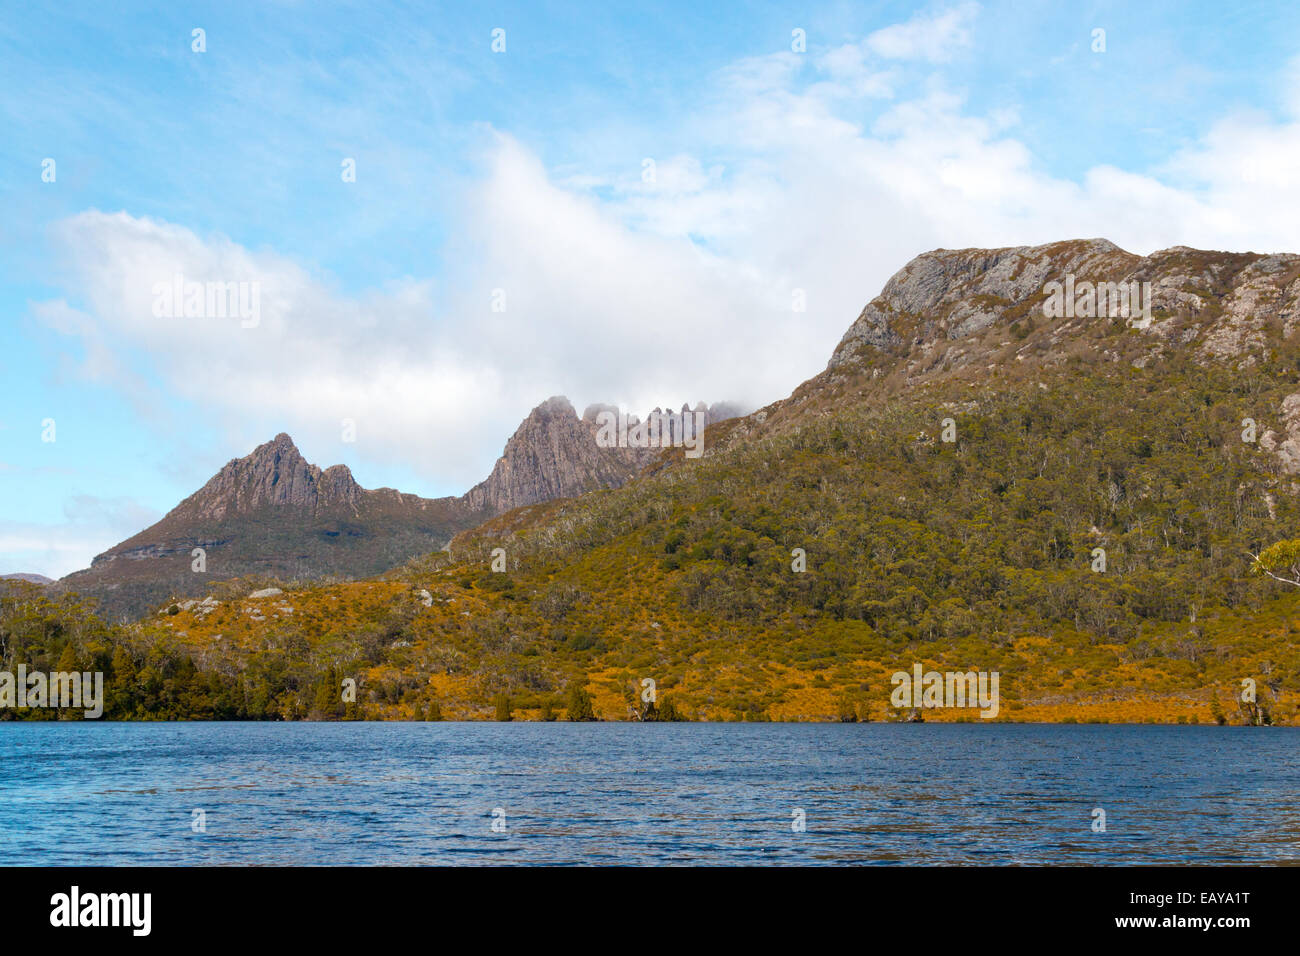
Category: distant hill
[30,578]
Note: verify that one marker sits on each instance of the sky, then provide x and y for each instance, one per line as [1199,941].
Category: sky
[439,216]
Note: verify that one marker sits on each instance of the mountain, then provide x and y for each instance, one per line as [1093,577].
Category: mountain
[982,478]
[977,316]
[30,578]
[556,454]
[273,514]
[991,474]
[1218,303]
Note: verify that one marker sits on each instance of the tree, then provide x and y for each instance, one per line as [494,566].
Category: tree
[668,711]
[503,707]
[67,660]
[1280,561]
[848,708]
[580,704]
[327,699]
[121,685]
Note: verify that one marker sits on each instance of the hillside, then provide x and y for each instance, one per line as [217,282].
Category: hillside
[1069,434]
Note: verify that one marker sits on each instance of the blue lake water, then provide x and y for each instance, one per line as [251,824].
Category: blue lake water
[394,793]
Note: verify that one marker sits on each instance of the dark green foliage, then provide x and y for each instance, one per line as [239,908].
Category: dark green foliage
[579,705]
[503,706]
[668,711]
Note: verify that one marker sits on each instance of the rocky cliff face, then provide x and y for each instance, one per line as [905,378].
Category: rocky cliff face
[955,293]
[1285,445]
[1217,302]
[555,454]
[274,474]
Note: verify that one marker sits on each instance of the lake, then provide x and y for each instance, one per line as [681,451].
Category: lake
[430,793]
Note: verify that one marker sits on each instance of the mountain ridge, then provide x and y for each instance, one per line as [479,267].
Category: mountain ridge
[313,522]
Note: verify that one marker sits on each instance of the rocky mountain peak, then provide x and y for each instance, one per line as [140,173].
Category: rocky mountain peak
[337,486]
[269,513]
[274,473]
[555,406]
[946,295]
[953,293]
[554,454]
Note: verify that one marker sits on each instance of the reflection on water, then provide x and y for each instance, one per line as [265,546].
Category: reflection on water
[98,794]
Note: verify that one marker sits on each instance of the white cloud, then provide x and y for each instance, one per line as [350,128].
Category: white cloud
[316,356]
[646,294]
[433,378]
[54,549]
[932,37]
[118,514]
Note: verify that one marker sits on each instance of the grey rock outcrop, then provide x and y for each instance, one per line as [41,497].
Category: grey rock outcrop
[1224,300]
[553,454]
[953,294]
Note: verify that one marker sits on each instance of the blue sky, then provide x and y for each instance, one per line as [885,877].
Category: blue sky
[523,176]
